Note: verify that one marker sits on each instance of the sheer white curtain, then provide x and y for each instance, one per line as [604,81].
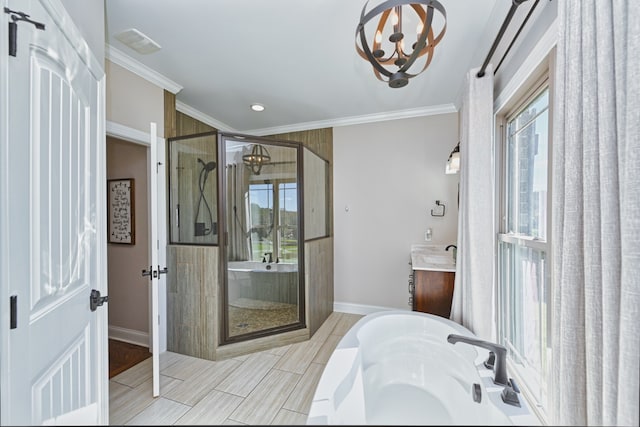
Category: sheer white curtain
[473,295]
[596,214]
[237,212]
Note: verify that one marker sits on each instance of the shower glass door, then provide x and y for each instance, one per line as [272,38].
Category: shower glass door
[262,211]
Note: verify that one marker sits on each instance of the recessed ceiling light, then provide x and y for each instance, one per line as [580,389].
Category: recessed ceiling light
[137,41]
[257,107]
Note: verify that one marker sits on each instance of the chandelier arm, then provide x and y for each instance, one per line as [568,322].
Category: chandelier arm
[426,64]
[369,55]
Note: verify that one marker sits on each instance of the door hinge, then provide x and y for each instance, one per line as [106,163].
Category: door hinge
[13,28]
[13,306]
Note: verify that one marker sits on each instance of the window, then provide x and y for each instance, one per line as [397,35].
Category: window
[288,222]
[261,218]
[275,234]
[524,245]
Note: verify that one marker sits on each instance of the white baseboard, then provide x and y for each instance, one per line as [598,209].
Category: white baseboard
[347,307]
[129,335]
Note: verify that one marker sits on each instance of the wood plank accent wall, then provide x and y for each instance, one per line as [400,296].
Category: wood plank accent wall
[187,125]
[177,123]
[169,114]
[320,141]
[319,281]
[192,300]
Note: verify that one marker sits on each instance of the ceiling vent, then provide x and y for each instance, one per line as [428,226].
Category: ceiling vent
[137,41]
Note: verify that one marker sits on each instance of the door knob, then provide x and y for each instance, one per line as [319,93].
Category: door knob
[147,273]
[95,300]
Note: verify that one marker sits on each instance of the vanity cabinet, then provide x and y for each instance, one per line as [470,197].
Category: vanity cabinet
[432,291]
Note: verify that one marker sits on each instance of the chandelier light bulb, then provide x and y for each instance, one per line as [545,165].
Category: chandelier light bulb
[394,18]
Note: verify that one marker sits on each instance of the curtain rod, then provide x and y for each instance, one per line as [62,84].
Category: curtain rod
[505,24]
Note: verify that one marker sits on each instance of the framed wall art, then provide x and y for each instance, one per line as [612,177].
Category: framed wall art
[121,212]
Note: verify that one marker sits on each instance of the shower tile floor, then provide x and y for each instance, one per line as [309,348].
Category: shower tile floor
[249,315]
[274,386]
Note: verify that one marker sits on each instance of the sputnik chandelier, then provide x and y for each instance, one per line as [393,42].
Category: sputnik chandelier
[258,157]
[391,49]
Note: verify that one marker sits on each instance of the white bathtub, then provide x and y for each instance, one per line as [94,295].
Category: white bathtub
[276,282]
[396,367]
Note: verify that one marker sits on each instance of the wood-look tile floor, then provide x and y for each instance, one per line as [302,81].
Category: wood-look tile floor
[274,386]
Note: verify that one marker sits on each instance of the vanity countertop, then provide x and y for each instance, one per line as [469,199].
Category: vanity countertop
[432,258]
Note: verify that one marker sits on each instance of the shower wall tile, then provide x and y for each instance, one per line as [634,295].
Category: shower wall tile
[192,304]
[319,281]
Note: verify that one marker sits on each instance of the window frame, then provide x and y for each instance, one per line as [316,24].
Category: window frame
[528,92]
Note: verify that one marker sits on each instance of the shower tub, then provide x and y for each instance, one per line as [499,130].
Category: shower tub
[275,283]
[396,367]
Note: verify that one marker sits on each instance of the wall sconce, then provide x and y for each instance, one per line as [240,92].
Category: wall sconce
[258,157]
[453,163]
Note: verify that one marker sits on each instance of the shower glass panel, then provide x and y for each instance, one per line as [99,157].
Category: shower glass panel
[263,248]
[316,196]
[193,184]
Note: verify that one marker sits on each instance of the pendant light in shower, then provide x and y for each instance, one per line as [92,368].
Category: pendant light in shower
[392,41]
[258,157]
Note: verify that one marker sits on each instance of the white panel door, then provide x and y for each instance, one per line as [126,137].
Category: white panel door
[52,222]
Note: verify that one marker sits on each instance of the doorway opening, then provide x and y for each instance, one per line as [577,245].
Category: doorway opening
[129,318]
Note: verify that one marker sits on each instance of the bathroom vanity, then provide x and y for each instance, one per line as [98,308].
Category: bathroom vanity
[432,279]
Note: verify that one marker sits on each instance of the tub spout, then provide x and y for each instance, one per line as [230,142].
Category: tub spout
[500,352]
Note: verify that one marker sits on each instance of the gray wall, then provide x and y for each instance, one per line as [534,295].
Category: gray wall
[387,177]
[128,290]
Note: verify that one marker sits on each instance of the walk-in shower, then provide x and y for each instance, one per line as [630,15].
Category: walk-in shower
[239,225]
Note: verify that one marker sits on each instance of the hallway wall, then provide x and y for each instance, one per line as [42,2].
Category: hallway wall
[128,290]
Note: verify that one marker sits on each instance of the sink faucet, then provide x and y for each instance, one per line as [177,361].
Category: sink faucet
[500,352]
[270,260]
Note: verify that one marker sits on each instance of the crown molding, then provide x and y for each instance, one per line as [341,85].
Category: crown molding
[120,58]
[204,118]
[355,120]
